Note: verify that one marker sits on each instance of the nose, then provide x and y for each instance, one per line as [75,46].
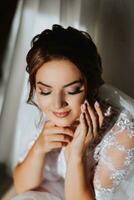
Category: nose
[59,101]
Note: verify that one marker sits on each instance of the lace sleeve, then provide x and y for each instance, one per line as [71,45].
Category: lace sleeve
[114,155]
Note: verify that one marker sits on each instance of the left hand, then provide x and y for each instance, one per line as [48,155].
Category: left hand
[90,122]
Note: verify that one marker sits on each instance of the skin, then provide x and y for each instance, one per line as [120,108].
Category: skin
[57,74]
[53,89]
[59,132]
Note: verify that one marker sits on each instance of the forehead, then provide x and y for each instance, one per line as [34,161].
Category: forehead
[58,72]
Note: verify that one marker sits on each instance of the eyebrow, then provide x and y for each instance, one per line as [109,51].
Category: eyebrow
[76,81]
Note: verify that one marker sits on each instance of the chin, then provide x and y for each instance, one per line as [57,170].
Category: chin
[63,123]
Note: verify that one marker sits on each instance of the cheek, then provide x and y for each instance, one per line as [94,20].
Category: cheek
[76,103]
[43,104]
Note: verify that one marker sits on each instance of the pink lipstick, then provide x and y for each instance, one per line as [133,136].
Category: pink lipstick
[61,114]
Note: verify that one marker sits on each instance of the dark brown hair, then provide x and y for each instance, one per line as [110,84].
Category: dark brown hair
[65,43]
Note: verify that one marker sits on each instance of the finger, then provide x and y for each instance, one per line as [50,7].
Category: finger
[48,124]
[77,132]
[83,125]
[93,118]
[100,113]
[88,138]
[88,118]
[90,134]
[58,137]
[55,145]
[59,130]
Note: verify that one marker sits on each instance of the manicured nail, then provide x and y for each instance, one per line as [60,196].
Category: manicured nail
[97,104]
[86,102]
[82,108]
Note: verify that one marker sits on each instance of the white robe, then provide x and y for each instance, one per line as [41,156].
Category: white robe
[112,161]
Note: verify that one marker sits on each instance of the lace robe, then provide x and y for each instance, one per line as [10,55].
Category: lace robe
[114,173]
[110,162]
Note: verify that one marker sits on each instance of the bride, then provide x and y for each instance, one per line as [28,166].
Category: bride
[84,147]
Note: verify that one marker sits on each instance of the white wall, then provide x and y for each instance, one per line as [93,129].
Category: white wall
[110,23]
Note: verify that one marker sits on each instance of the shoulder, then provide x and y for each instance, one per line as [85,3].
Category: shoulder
[115,153]
[118,122]
[120,135]
[125,121]
[116,117]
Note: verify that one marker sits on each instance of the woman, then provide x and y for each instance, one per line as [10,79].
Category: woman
[84,149]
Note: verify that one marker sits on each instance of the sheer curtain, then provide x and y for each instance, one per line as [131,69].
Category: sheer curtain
[31,17]
[17,118]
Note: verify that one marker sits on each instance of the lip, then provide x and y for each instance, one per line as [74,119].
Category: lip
[61,114]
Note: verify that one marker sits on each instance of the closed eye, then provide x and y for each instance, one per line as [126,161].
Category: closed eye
[77,91]
[72,93]
[44,93]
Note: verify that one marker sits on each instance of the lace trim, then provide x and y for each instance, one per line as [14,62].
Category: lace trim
[102,193]
[117,176]
[126,121]
[101,146]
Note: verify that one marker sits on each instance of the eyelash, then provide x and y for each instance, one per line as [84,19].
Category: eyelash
[77,91]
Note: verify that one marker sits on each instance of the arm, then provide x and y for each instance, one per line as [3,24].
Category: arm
[76,186]
[75,176]
[116,157]
[29,174]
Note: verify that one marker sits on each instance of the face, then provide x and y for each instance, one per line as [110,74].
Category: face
[60,91]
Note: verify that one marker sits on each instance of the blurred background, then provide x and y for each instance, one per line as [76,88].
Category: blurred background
[110,24]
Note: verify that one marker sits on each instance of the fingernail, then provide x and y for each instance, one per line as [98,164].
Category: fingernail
[83,107]
[97,104]
[86,102]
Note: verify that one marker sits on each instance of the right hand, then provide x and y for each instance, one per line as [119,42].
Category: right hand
[53,137]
